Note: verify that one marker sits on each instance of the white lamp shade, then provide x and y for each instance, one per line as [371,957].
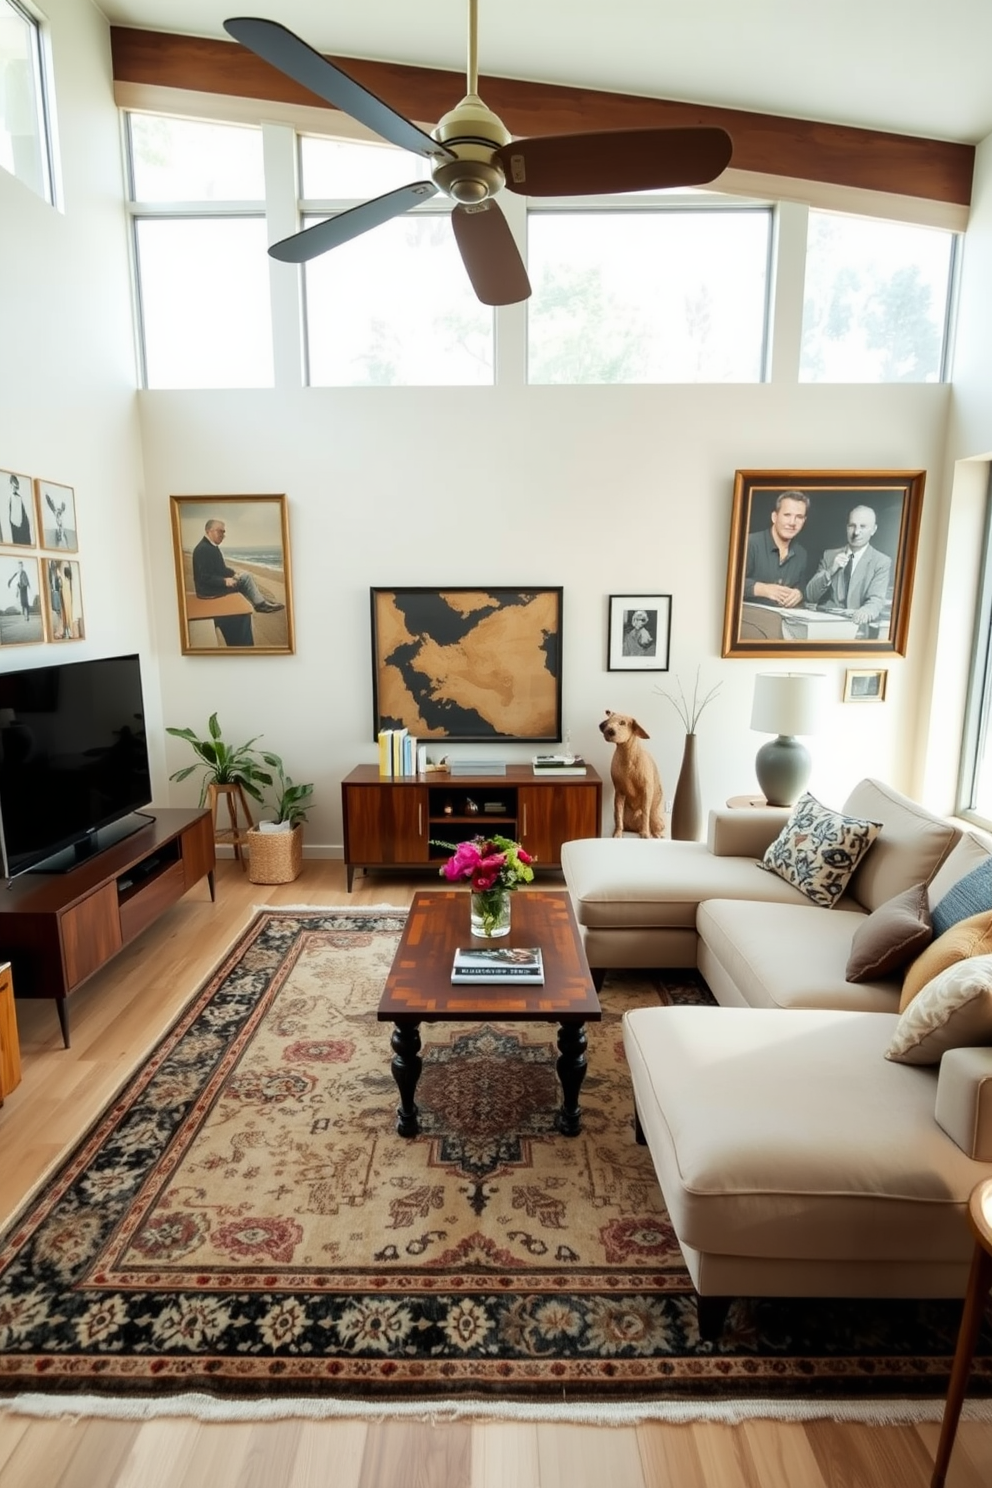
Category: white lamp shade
[787,702]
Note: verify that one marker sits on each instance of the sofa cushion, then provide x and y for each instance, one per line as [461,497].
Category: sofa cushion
[634,883]
[965,939]
[971,895]
[954,1011]
[892,935]
[970,850]
[818,849]
[910,847]
[758,1122]
[784,956]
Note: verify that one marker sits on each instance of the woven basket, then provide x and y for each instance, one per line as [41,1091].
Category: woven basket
[275,857]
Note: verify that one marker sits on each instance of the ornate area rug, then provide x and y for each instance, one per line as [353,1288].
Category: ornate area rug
[244,1220]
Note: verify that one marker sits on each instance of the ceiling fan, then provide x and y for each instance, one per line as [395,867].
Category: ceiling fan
[473,157]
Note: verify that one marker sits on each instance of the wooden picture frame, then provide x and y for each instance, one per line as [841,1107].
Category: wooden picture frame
[640,631]
[788,528]
[235,594]
[17,513]
[21,619]
[63,590]
[56,517]
[865,685]
[470,665]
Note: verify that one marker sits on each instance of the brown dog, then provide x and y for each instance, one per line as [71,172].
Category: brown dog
[638,803]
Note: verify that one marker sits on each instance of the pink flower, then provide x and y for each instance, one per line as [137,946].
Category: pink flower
[524,856]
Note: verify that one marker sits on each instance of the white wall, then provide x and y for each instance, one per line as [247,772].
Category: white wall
[603,490]
[67,382]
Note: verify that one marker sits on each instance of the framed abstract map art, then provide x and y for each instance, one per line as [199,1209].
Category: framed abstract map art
[468,664]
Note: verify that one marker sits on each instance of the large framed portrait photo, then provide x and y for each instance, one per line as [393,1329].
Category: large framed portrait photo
[233,575]
[822,562]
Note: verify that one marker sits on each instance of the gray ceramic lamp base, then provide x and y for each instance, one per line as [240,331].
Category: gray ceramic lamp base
[782,767]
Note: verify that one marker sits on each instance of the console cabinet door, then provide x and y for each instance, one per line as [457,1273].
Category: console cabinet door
[385,824]
[91,934]
[548,815]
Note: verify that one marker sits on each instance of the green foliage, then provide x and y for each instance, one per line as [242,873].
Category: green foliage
[223,764]
[292,801]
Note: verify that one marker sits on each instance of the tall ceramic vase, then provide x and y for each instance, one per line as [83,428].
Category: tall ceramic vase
[687,811]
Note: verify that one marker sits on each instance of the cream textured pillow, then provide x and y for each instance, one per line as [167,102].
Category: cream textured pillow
[953,1011]
[818,849]
[967,938]
[891,936]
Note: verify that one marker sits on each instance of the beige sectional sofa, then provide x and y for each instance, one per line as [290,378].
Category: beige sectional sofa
[796,1159]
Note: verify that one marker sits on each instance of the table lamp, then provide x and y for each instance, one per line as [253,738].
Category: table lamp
[785,704]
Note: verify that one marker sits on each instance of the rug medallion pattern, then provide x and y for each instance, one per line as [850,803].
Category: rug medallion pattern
[244,1218]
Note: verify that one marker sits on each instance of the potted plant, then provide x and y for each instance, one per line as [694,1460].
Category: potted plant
[275,848]
[233,770]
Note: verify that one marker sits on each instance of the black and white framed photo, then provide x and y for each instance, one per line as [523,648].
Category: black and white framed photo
[57,517]
[640,632]
[865,685]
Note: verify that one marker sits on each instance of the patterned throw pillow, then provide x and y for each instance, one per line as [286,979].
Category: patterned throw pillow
[968,938]
[954,1011]
[970,896]
[892,935]
[818,849]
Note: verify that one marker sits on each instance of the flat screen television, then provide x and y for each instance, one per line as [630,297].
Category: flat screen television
[73,762]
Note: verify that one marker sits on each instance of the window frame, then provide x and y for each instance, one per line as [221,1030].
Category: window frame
[41,60]
[976,733]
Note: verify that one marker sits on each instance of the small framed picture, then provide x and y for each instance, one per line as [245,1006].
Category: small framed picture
[63,599]
[16,510]
[20,601]
[640,632]
[864,685]
[57,517]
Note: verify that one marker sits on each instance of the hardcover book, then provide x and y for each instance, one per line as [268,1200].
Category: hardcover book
[508,964]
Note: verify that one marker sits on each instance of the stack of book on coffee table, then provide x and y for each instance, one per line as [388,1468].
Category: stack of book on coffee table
[500,964]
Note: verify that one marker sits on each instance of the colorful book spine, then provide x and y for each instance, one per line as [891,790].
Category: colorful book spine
[385,753]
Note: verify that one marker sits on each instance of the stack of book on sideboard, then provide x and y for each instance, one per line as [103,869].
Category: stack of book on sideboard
[400,755]
[502,965]
[558,764]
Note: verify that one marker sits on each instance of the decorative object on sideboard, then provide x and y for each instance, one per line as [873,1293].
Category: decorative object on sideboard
[494,867]
[821,562]
[785,704]
[865,685]
[640,628]
[687,809]
[233,575]
[638,800]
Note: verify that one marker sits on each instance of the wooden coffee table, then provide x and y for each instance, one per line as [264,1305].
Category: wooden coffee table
[419,990]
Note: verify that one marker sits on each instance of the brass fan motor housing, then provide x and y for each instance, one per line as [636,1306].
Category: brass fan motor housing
[473,133]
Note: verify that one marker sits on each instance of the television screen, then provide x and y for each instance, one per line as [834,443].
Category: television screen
[73,757]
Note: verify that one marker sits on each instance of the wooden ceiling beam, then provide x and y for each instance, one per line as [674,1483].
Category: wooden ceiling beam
[935,170]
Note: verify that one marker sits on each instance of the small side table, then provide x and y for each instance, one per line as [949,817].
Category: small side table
[10,1048]
[979,1282]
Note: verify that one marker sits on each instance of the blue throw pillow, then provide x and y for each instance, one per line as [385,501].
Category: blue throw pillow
[971,895]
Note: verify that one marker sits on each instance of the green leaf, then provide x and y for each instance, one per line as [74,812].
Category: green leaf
[214,726]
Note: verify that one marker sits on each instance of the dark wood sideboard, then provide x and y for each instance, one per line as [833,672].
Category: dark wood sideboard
[395,823]
[57,929]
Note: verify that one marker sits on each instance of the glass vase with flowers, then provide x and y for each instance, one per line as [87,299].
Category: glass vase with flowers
[493,867]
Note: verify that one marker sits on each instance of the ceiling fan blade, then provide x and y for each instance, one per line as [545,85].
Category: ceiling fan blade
[305,245]
[614,160]
[491,257]
[285,51]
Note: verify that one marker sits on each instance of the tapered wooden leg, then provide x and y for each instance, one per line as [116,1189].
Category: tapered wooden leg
[979,1282]
[711,1315]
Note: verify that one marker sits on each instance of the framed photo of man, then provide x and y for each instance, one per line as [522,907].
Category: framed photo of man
[639,632]
[822,562]
[233,575]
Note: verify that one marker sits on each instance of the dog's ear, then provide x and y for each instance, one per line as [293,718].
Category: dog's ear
[641,733]
[608,712]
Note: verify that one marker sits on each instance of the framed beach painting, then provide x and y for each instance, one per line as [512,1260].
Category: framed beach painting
[63,593]
[233,575]
[56,517]
[17,519]
[822,562]
[21,621]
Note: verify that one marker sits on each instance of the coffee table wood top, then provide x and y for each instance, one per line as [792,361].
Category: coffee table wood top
[419,989]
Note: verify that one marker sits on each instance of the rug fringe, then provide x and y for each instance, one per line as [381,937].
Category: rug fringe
[588,1413]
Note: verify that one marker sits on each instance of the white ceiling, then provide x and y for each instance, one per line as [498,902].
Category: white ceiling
[912,66]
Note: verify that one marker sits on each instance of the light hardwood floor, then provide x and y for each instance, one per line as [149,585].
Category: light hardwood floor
[114,1020]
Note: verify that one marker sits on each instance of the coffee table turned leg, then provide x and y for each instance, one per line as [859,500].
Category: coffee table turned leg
[571,1072]
[406,1066]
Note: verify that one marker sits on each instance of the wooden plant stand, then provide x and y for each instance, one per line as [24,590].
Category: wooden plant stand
[239,819]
